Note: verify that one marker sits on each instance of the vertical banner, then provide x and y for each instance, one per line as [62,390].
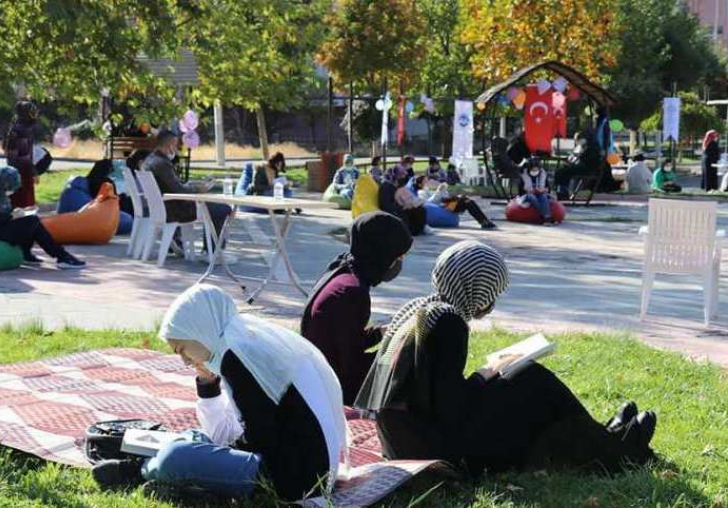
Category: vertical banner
[539,119]
[462,131]
[386,104]
[671,118]
[401,121]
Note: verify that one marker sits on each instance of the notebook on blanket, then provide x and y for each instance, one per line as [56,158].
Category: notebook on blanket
[46,406]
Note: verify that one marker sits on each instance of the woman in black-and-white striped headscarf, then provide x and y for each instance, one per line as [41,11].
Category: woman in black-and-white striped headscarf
[427,409]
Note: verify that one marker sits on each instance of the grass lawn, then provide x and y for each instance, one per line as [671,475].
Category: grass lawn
[692,434]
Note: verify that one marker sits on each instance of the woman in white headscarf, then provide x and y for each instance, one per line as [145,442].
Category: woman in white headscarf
[279,413]
[428,409]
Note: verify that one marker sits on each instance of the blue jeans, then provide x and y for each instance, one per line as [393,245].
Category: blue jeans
[203,464]
[541,202]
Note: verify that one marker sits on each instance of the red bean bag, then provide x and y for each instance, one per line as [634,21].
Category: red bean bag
[516,213]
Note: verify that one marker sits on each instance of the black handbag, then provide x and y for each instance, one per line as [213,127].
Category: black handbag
[103,439]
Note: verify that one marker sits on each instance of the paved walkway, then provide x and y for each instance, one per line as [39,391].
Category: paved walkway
[583,275]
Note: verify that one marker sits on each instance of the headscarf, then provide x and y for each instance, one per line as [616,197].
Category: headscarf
[710,136]
[9,183]
[348,160]
[100,173]
[275,356]
[468,278]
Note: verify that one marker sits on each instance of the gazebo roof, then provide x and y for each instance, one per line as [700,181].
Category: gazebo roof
[576,78]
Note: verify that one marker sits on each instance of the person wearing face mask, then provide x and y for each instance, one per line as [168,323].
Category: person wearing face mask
[336,317]
[534,188]
[28,231]
[664,178]
[269,406]
[160,164]
[427,408]
[345,178]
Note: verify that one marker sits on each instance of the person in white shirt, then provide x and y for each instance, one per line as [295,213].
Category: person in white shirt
[639,176]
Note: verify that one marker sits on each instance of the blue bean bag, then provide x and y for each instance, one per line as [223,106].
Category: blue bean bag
[440,217]
[11,256]
[126,221]
[75,195]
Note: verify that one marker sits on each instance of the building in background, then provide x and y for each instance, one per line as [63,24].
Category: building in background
[713,14]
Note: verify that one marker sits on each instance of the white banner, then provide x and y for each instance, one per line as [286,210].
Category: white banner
[462,132]
[387,103]
[671,118]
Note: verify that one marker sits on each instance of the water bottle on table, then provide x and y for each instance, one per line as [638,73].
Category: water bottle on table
[227,186]
[278,190]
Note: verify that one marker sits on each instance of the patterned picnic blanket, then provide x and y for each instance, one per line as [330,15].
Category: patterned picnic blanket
[46,406]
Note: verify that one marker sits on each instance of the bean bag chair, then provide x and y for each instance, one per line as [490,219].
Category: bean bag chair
[440,217]
[366,196]
[75,195]
[126,221]
[95,223]
[516,213]
[11,256]
[331,196]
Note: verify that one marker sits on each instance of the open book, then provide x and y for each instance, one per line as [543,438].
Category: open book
[147,443]
[527,350]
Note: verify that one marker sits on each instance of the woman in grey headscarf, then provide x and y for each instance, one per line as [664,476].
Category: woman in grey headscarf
[427,409]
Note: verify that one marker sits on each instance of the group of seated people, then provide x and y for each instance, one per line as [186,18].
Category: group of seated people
[271,401]
[640,180]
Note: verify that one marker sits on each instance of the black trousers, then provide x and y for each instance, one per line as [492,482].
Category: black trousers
[709,180]
[465,204]
[533,421]
[416,219]
[28,231]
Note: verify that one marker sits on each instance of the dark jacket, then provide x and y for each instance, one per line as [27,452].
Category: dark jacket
[387,203]
[163,170]
[711,155]
[287,435]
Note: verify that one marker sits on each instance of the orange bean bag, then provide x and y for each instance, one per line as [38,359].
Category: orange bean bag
[516,213]
[95,223]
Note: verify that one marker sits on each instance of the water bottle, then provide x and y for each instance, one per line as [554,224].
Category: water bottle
[278,191]
[227,186]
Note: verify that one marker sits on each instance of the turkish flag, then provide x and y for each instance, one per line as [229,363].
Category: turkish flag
[559,105]
[539,119]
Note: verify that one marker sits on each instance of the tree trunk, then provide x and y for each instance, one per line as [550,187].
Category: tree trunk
[239,126]
[262,132]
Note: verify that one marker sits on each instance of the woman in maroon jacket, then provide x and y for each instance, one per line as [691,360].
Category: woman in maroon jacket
[18,147]
[337,313]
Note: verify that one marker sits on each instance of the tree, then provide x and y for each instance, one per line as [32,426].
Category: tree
[74,49]
[374,40]
[696,117]
[506,35]
[661,45]
[257,53]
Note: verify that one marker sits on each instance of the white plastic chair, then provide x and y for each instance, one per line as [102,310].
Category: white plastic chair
[140,224]
[469,170]
[158,223]
[681,239]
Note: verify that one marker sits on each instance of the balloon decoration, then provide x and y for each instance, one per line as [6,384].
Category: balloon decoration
[481,105]
[145,127]
[409,106]
[520,99]
[573,94]
[543,85]
[187,125]
[614,158]
[616,125]
[191,139]
[512,92]
[106,127]
[62,138]
[560,84]
[379,105]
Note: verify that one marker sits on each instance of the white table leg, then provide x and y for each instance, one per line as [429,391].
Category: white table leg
[281,232]
[218,242]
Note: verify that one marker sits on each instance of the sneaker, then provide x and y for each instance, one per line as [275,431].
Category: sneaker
[488,225]
[30,259]
[118,473]
[69,262]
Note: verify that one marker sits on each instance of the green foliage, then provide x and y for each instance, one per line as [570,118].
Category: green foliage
[661,44]
[696,117]
[257,52]
[690,400]
[373,40]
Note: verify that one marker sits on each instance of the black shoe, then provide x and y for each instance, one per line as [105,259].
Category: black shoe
[647,423]
[624,414]
[30,259]
[69,262]
[488,225]
[637,436]
[118,473]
